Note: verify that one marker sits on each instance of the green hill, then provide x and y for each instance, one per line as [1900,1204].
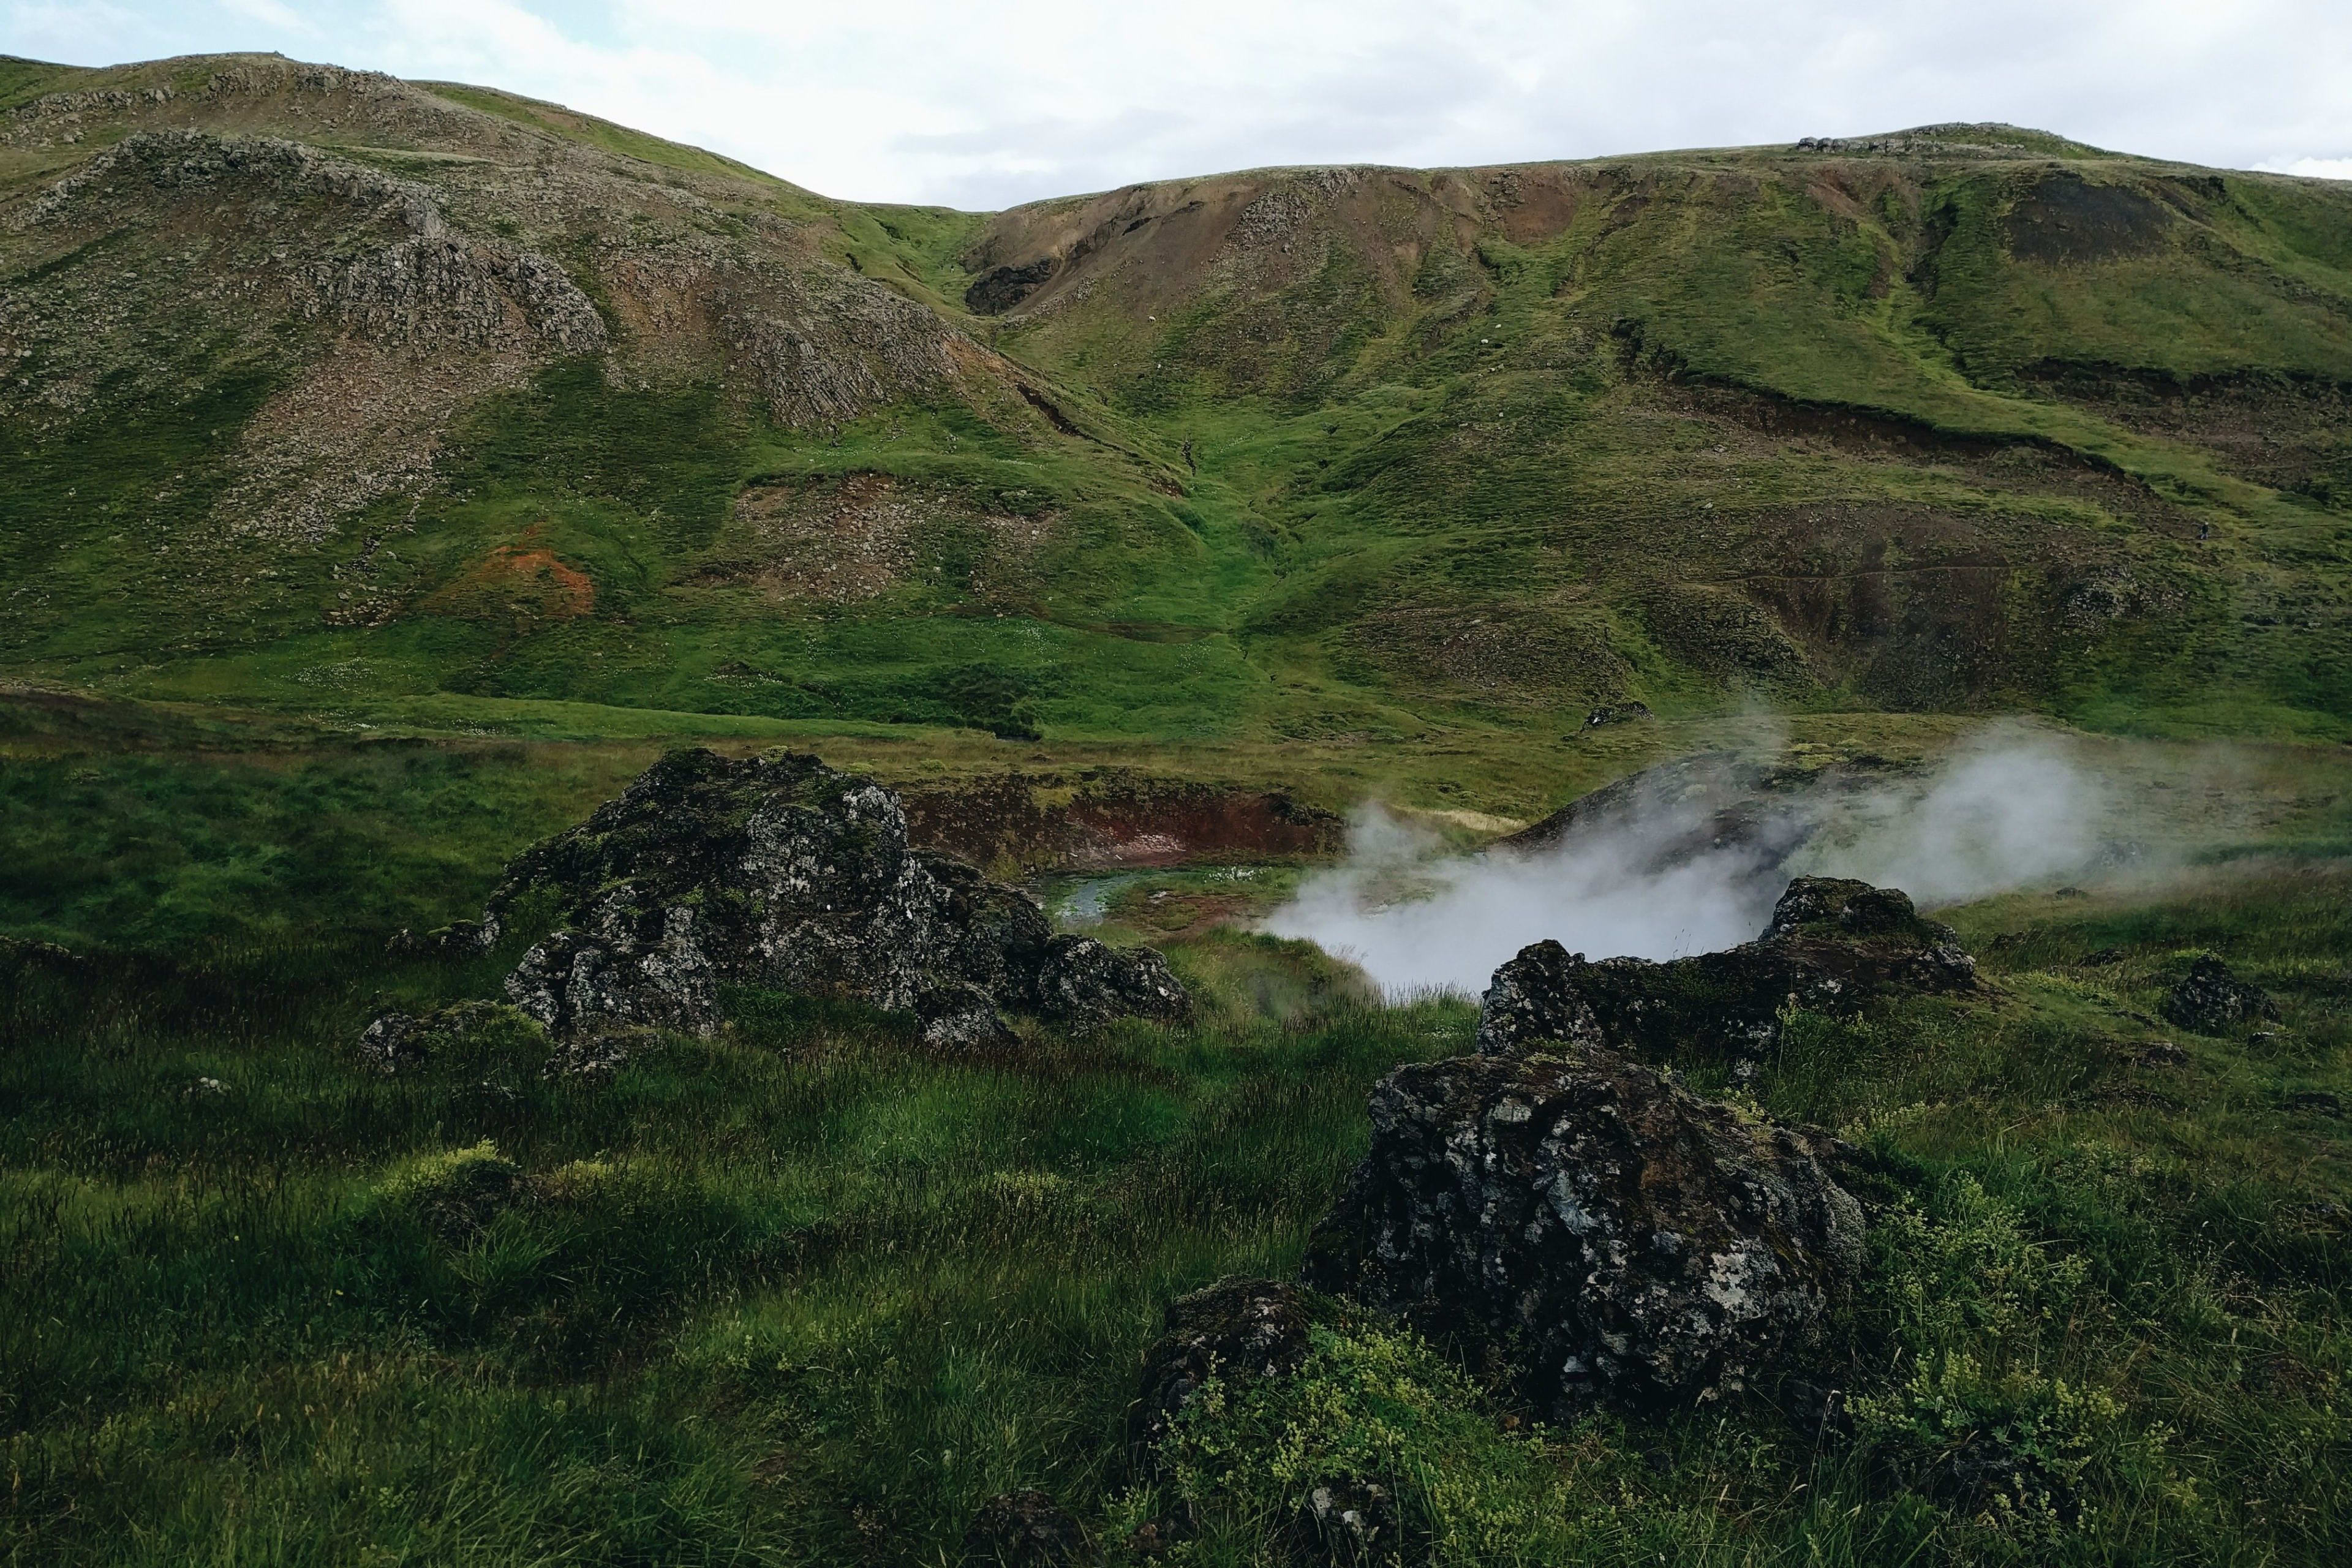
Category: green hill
[327,391]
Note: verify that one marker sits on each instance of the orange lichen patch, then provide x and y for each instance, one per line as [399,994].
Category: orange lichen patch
[512,583]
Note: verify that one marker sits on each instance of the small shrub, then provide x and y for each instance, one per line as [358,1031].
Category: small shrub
[455,1192]
[1967,1299]
[1380,1426]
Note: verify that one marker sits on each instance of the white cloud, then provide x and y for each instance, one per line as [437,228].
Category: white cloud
[2321,168]
[271,14]
[978,105]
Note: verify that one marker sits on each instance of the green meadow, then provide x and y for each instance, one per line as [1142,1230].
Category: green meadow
[807,1293]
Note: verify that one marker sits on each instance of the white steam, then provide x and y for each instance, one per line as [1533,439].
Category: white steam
[1689,859]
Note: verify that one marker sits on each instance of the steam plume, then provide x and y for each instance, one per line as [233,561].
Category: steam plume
[1690,858]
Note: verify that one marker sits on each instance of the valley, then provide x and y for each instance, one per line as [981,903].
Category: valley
[402,483]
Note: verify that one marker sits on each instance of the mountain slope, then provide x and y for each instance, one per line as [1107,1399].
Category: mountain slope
[374,374]
[330,391]
[1933,420]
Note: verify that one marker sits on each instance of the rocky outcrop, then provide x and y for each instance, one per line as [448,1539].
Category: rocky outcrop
[440,288]
[778,872]
[430,285]
[1614,1237]
[1236,1330]
[1088,985]
[200,161]
[1616,713]
[2212,1000]
[465,1035]
[1833,945]
[823,346]
[999,288]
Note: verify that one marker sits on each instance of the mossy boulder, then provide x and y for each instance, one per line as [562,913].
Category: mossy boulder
[1833,945]
[2212,1000]
[455,1192]
[1235,1331]
[1610,1237]
[780,872]
[490,1041]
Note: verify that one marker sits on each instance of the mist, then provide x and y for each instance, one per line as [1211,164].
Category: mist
[1691,856]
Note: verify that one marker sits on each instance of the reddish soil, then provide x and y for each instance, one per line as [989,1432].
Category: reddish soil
[513,582]
[1109,817]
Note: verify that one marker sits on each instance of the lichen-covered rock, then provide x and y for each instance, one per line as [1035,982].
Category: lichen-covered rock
[962,1017]
[1025,1529]
[636,968]
[778,872]
[481,1037]
[1354,1522]
[392,1042]
[1085,985]
[1832,944]
[1617,1238]
[1237,1329]
[2211,1000]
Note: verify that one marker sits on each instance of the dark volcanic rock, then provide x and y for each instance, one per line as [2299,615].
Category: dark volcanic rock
[2212,1001]
[1616,713]
[1025,1529]
[462,1036]
[1671,813]
[1613,1237]
[775,870]
[392,1042]
[1236,1328]
[1832,944]
[961,1017]
[1085,984]
[778,872]
[1355,1522]
[999,288]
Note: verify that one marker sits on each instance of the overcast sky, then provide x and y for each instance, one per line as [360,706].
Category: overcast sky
[983,103]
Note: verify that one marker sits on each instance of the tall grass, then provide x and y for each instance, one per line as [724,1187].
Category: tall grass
[806,1293]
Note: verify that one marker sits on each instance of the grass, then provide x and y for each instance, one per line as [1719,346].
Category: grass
[910,1284]
[805,1293]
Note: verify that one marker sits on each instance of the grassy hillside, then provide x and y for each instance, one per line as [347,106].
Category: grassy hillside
[478,396]
[1958,418]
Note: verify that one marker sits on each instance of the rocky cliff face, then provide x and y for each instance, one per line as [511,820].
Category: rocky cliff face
[779,871]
